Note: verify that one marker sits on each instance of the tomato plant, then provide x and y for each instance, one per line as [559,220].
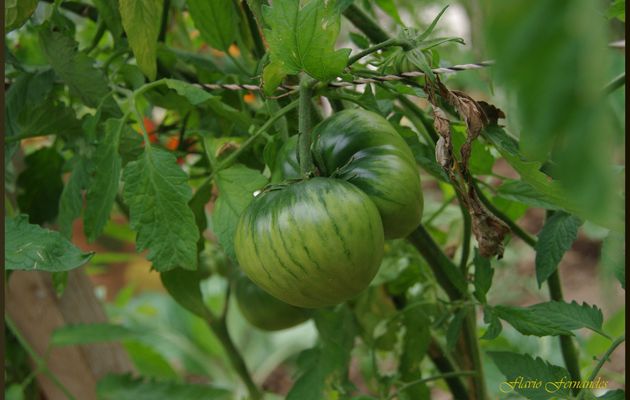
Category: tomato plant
[314,199]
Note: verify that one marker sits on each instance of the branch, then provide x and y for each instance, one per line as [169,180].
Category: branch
[365,24]
[304,123]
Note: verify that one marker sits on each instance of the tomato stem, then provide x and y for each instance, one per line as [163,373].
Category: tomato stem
[304,127]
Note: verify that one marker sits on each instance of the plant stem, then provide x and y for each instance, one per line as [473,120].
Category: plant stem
[602,360]
[304,127]
[219,328]
[446,367]
[467,234]
[615,84]
[429,379]
[421,115]
[444,271]
[365,24]
[39,361]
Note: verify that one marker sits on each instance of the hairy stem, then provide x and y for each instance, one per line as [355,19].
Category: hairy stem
[304,127]
[602,360]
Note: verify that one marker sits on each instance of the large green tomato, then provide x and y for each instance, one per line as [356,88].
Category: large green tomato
[313,243]
[364,149]
[265,311]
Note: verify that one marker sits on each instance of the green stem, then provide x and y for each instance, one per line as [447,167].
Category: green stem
[603,360]
[304,127]
[375,48]
[365,24]
[446,367]
[615,84]
[39,361]
[219,328]
[440,264]
[417,112]
[467,234]
[439,210]
[429,379]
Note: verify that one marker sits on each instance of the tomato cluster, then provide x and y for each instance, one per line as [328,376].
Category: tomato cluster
[318,242]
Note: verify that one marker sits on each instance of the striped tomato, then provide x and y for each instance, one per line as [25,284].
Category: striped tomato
[265,311]
[313,243]
[364,149]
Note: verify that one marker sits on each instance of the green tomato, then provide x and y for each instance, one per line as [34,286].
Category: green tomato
[264,311]
[314,243]
[364,149]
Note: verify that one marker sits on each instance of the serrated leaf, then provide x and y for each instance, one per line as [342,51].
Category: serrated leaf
[302,38]
[125,387]
[31,247]
[483,276]
[613,256]
[157,192]
[552,318]
[494,324]
[76,69]
[69,335]
[41,185]
[237,185]
[17,12]
[556,237]
[71,201]
[523,367]
[103,186]
[183,286]
[198,206]
[216,20]
[141,20]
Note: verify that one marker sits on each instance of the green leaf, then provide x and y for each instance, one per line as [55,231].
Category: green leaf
[17,12]
[103,186]
[108,10]
[216,20]
[141,21]
[556,237]
[390,8]
[41,185]
[237,185]
[193,94]
[523,367]
[550,190]
[613,256]
[561,121]
[302,38]
[60,281]
[524,193]
[483,276]
[71,201]
[361,41]
[157,192]
[613,395]
[149,362]
[90,333]
[125,387]
[31,247]
[183,286]
[415,345]
[552,318]
[617,10]
[494,324]
[326,363]
[75,68]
